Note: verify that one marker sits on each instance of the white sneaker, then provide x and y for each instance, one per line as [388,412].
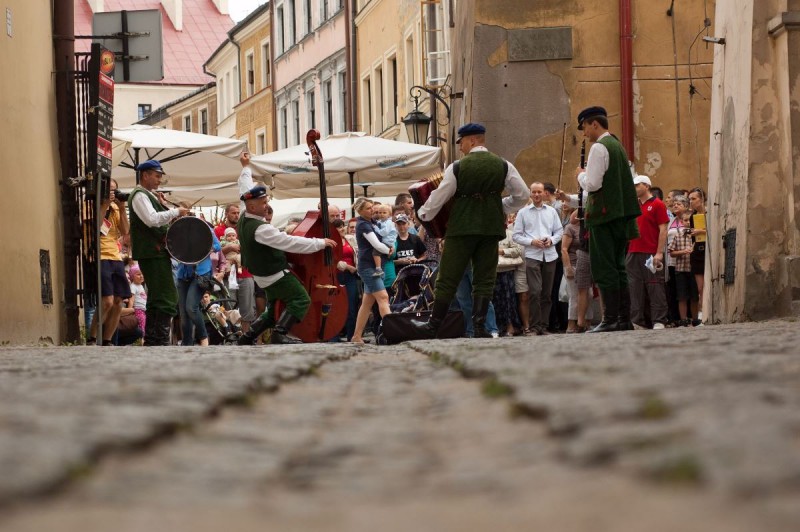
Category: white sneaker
[700,315]
[658,326]
[495,335]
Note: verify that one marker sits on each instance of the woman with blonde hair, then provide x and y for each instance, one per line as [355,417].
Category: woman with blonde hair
[374,289]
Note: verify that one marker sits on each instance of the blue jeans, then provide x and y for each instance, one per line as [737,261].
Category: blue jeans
[350,282]
[192,324]
[464,298]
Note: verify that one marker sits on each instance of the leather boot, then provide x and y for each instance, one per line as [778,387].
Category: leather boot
[150,328]
[164,326]
[625,323]
[280,333]
[428,329]
[611,312]
[480,306]
[257,328]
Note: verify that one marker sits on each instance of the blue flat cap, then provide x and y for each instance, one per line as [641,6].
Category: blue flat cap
[254,193]
[590,112]
[151,164]
[470,129]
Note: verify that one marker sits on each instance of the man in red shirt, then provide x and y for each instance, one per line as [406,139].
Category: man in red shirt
[646,254]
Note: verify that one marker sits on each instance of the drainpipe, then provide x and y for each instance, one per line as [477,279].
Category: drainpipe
[353,60]
[626,74]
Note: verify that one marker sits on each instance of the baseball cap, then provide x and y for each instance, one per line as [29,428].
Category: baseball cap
[642,179]
[401,218]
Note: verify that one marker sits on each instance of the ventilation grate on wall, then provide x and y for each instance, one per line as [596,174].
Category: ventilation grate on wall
[729,244]
[46,277]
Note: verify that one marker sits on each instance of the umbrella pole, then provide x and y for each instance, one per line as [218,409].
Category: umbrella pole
[136,163]
[352,195]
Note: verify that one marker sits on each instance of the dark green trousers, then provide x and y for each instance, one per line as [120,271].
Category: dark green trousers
[162,294]
[458,252]
[292,293]
[608,246]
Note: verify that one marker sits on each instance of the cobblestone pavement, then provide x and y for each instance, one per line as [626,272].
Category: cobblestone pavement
[677,430]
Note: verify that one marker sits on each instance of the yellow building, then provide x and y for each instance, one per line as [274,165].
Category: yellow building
[254,114]
[392,57]
[32,282]
[196,112]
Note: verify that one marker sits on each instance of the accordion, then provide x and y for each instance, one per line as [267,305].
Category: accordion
[420,192]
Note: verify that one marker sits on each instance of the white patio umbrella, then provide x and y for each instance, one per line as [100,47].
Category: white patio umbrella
[190,160]
[350,158]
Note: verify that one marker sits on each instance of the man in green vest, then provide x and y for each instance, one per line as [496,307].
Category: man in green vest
[263,249]
[611,211]
[477,223]
[149,223]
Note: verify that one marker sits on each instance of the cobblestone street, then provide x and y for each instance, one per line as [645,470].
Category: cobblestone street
[675,430]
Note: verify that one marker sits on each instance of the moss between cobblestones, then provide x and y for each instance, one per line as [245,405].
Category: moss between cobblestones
[685,469]
[493,388]
[654,408]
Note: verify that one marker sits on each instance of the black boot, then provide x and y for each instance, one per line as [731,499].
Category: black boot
[280,333]
[157,328]
[428,329]
[610,312]
[480,306]
[625,323]
[257,328]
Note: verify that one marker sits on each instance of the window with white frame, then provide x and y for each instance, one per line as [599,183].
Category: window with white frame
[236,88]
[228,94]
[324,11]
[280,30]
[221,98]
[296,117]
[410,63]
[261,141]
[284,127]
[204,121]
[266,72]
[380,115]
[187,123]
[342,99]
[366,104]
[311,107]
[393,90]
[144,109]
[292,23]
[327,94]
[250,81]
[309,24]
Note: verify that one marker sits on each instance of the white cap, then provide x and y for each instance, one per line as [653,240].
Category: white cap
[642,179]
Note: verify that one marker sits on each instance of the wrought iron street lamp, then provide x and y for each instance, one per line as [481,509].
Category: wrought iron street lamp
[418,123]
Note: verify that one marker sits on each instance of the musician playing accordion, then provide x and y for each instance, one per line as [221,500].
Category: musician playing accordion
[477,223]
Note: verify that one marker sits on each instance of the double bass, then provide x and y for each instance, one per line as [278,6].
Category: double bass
[317,272]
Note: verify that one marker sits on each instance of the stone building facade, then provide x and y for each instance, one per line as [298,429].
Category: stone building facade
[195,112]
[753,257]
[527,67]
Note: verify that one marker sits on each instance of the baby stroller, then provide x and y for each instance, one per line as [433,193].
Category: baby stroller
[224,304]
[413,287]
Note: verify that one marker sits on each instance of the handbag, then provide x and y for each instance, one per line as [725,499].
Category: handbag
[204,283]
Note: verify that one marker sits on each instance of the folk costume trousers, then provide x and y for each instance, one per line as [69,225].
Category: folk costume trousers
[290,292]
[457,254]
[162,294]
[608,247]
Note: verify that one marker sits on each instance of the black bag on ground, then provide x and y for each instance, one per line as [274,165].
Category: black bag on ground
[396,328]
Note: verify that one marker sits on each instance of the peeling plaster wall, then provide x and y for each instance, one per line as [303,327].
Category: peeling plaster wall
[525,104]
[729,159]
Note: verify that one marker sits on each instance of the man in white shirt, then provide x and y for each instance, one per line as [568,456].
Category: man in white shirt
[538,228]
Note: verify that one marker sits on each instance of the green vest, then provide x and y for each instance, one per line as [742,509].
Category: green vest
[477,207]
[147,242]
[259,259]
[617,198]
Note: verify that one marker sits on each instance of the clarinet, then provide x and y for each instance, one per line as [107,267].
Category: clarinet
[582,232]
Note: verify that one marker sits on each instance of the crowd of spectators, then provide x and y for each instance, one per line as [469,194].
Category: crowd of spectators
[543,286]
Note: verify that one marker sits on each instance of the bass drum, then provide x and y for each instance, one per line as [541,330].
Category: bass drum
[189,240]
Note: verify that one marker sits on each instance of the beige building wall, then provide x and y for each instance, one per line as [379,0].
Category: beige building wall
[525,104]
[754,178]
[128,96]
[172,116]
[30,208]
[254,112]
